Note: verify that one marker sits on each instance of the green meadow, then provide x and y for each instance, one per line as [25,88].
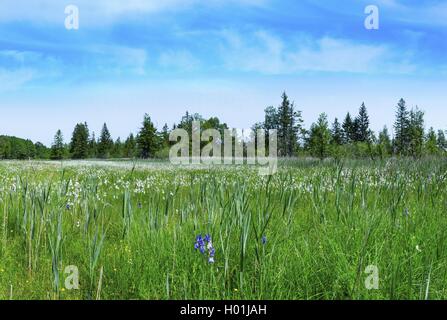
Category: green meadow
[128,229]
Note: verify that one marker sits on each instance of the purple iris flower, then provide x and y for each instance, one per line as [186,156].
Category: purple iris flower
[264,240]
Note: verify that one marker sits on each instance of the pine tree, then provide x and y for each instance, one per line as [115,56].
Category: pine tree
[284,123]
[147,139]
[337,133]
[130,147]
[105,143]
[362,125]
[117,149]
[401,128]
[165,136]
[289,127]
[79,141]
[349,129]
[58,147]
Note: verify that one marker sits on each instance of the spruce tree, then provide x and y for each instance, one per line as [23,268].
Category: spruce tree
[165,135]
[147,139]
[337,133]
[362,125]
[58,147]
[401,129]
[289,127]
[349,129]
[105,143]
[79,141]
[130,147]
[117,149]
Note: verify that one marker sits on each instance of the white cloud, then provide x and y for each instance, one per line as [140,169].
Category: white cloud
[121,59]
[266,53]
[181,60]
[14,79]
[19,68]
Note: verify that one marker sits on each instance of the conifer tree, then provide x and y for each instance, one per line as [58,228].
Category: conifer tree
[105,143]
[147,139]
[349,129]
[362,125]
[130,147]
[401,128]
[58,147]
[337,133]
[79,141]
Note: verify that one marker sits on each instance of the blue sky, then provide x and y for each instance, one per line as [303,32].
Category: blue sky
[218,57]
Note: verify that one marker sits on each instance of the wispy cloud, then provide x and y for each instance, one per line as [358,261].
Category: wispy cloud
[115,59]
[15,79]
[19,68]
[266,53]
[181,60]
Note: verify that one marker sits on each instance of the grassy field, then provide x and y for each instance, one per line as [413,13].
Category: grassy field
[308,232]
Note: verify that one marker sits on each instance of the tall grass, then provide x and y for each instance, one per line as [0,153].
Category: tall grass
[308,232]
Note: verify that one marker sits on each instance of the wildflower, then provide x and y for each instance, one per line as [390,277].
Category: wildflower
[204,245]
[418,249]
[200,244]
[264,240]
[67,206]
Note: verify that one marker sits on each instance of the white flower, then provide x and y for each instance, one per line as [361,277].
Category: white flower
[418,249]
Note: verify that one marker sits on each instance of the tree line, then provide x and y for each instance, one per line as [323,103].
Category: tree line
[353,138]
[349,138]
